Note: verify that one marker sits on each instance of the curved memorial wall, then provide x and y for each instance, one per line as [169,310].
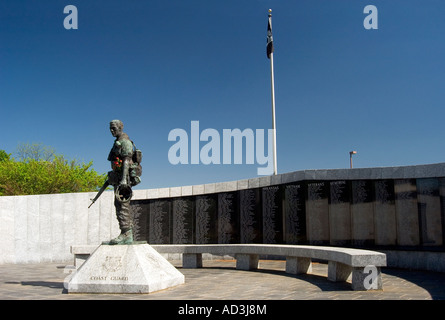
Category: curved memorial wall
[380,208]
[396,210]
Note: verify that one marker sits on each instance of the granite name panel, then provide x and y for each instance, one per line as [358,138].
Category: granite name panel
[430,217]
[362,213]
[385,213]
[339,213]
[272,214]
[159,222]
[251,216]
[295,213]
[407,212]
[317,212]
[183,228]
[228,218]
[206,219]
[141,212]
[441,182]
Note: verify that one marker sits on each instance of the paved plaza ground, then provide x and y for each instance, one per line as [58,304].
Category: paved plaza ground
[219,280]
[226,293]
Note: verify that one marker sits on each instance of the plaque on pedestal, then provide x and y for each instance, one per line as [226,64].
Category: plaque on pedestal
[362,213]
[206,219]
[294,214]
[272,215]
[384,213]
[430,220]
[228,218]
[251,222]
[159,222]
[407,212]
[339,213]
[317,212]
[182,220]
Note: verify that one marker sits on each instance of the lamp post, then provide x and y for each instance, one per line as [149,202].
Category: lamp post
[350,157]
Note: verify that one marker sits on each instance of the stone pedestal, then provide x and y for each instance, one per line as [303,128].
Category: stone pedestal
[124,269]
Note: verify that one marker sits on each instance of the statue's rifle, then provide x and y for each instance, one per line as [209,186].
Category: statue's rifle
[106,184]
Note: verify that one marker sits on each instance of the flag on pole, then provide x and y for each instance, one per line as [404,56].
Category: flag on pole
[269,37]
[272,85]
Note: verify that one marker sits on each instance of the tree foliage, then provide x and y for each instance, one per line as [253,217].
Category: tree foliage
[37,175]
[4,156]
[34,151]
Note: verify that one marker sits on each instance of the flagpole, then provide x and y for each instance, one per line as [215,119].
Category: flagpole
[272,83]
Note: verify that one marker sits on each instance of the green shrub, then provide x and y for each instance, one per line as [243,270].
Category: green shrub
[58,175]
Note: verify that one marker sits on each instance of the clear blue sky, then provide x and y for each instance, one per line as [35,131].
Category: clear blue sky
[158,65]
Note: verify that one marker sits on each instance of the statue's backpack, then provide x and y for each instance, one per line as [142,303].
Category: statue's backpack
[136,168]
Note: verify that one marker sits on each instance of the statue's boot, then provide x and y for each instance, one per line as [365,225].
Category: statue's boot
[124,238]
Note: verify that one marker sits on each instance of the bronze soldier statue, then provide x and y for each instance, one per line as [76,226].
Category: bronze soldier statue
[126,171]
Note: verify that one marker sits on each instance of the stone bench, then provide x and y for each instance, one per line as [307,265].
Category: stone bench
[364,265]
